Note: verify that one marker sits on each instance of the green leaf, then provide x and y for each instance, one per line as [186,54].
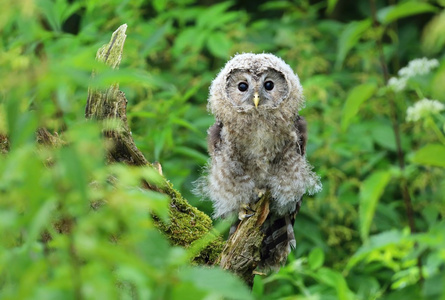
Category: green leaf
[335,280]
[356,97]
[185,40]
[73,168]
[185,124]
[316,258]
[159,5]
[437,86]
[433,36]
[132,280]
[375,243]
[155,37]
[383,135]
[151,201]
[431,155]
[41,219]
[349,38]
[392,13]
[258,287]
[331,6]
[370,193]
[216,282]
[275,5]
[192,153]
[219,45]
[56,12]
[186,291]
[212,14]
[23,131]
[433,287]
[154,248]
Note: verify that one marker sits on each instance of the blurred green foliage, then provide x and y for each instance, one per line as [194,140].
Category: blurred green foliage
[353,239]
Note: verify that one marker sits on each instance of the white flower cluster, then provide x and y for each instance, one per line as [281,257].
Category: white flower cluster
[419,66]
[423,108]
[397,84]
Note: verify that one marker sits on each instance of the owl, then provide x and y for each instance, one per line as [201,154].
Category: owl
[257,144]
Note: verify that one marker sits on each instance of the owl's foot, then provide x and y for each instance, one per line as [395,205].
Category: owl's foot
[255,272]
[243,213]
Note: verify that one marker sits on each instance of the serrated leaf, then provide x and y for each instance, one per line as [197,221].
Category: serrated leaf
[207,19]
[356,97]
[431,155]
[349,38]
[184,40]
[392,13]
[219,45]
[370,192]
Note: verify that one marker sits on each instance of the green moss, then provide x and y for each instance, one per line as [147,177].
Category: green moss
[188,225]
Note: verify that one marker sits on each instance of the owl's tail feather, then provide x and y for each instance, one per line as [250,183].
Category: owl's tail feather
[279,240]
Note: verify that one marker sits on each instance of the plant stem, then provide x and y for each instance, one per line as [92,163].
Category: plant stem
[396,129]
[429,122]
[75,262]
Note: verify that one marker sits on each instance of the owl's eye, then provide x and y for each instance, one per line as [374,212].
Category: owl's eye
[242,86]
[268,85]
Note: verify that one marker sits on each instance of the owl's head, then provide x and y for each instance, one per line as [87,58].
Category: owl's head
[255,82]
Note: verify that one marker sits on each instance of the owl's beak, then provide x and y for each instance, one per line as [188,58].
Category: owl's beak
[256,99]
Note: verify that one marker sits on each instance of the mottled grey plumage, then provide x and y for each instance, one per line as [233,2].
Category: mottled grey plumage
[259,146]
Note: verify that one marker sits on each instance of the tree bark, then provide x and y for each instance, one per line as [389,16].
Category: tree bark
[241,253]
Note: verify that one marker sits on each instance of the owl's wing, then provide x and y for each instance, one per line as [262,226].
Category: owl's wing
[279,239]
[301,127]
[279,230]
[214,137]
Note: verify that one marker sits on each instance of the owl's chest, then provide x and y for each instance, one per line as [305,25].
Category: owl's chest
[257,144]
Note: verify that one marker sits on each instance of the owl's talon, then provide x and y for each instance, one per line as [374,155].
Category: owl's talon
[242,216]
[243,212]
[247,207]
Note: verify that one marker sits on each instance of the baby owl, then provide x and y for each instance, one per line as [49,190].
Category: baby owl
[258,143]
